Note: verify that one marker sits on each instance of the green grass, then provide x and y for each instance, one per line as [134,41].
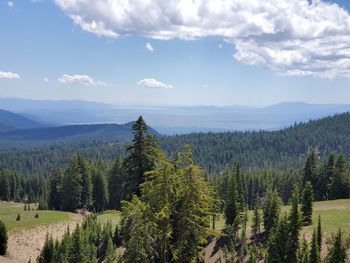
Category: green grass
[109,215]
[9,211]
[334,214]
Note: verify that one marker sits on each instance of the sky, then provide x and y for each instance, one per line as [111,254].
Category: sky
[176,52]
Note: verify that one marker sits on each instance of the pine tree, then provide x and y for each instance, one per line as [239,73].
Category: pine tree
[304,253]
[3,238]
[72,187]
[294,228]
[256,217]
[140,157]
[271,209]
[116,185]
[278,244]
[232,207]
[47,254]
[116,237]
[192,216]
[159,192]
[55,184]
[319,234]
[339,187]
[110,256]
[306,201]
[337,252]
[137,232]
[310,172]
[100,191]
[314,252]
[86,183]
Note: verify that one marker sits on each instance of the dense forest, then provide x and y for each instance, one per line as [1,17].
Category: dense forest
[170,205]
[283,149]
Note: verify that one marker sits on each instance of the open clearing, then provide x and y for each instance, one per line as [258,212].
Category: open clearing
[27,236]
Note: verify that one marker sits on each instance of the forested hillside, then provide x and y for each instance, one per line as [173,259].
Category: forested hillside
[284,148]
[213,151]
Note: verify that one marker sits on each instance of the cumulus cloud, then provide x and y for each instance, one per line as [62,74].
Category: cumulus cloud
[46,80]
[294,37]
[153,83]
[149,47]
[10,4]
[84,80]
[9,75]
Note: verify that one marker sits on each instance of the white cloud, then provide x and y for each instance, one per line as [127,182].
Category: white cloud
[293,37]
[220,46]
[35,1]
[81,80]
[46,80]
[153,83]
[10,4]
[9,75]
[149,47]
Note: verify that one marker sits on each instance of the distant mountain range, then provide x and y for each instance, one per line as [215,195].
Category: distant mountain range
[169,120]
[10,121]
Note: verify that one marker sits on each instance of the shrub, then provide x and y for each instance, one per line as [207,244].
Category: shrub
[3,238]
[18,217]
[36,215]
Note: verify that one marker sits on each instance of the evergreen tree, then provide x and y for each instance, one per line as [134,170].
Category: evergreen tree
[137,232]
[100,191]
[55,184]
[310,172]
[278,244]
[116,237]
[47,254]
[116,185]
[337,252]
[271,209]
[192,216]
[232,207]
[294,228]
[314,252]
[256,217]
[3,238]
[304,253]
[140,157]
[307,200]
[110,256]
[319,234]
[72,187]
[339,187]
[86,183]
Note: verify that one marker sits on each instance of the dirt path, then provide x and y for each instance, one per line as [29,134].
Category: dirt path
[25,245]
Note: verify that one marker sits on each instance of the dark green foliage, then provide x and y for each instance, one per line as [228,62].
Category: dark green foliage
[271,210]
[278,244]
[110,256]
[72,186]
[116,185]
[232,200]
[47,254]
[319,233]
[140,157]
[306,203]
[42,204]
[339,187]
[116,237]
[314,252]
[36,215]
[55,185]
[18,218]
[3,238]
[294,229]
[86,183]
[337,252]
[256,217]
[100,191]
[304,253]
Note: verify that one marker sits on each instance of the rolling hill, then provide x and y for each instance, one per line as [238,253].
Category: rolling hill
[11,121]
[38,150]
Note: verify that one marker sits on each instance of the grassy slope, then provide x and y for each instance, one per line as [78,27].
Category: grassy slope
[335,214]
[9,211]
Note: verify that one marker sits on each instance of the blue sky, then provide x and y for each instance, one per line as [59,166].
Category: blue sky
[74,49]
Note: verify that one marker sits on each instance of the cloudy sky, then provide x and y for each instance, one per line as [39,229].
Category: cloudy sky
[176,52]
